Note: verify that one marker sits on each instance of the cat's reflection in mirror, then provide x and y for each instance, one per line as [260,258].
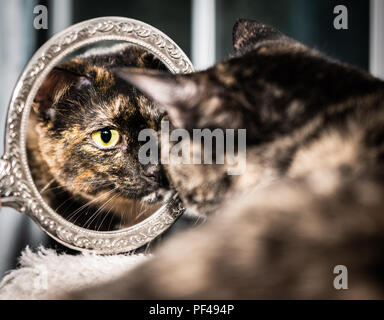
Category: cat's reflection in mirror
[83,144]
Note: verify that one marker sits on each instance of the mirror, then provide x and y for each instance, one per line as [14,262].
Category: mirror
[83,139]
[71,159]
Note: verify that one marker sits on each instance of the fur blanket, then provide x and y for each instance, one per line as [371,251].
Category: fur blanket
[46,275]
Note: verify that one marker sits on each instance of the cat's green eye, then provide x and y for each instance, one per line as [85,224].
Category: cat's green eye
[106,138]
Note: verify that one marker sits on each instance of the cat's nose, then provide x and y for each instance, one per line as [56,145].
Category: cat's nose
[151,170]
[155,173]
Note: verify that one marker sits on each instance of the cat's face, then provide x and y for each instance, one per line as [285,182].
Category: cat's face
[283,93]
[88,127]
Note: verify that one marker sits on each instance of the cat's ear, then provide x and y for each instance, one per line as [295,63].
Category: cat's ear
[149,61]
[177,94]
[246,33]
[57,80]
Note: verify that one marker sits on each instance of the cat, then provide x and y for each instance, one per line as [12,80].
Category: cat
[82,142]
[312,196]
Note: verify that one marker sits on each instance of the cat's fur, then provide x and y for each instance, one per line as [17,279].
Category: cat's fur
[81,181]
[312,197]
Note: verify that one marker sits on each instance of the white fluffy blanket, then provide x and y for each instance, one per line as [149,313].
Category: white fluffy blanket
[46,275]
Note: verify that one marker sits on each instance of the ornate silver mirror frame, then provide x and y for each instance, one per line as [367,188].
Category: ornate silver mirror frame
[17,188]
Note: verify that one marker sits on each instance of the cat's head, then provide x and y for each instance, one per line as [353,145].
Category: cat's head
[276,88]
[89,122]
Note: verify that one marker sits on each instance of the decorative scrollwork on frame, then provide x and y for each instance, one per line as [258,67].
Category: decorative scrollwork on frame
[16,185]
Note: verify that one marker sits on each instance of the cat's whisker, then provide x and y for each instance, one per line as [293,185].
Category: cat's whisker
[108,212]
[98,211]
[71,198]
[64,202]
[102,221]
[96,214]
[110,222]
[89,203]
[122,219]
[46,186]
[75,184]
[143,210]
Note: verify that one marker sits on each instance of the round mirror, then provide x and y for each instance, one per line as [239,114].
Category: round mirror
[72,138]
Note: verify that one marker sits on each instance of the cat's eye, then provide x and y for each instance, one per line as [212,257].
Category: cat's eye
[95,205]
[106,138]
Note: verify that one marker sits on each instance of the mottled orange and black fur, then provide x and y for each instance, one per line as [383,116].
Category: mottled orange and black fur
[312,196]
[78,179]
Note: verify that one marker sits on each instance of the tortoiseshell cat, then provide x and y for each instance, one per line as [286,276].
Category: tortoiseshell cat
[83,139]
[312,196]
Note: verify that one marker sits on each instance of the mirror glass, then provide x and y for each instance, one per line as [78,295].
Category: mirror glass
[82,139]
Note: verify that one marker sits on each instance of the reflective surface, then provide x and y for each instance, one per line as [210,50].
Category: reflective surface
[82,139]
[29,190]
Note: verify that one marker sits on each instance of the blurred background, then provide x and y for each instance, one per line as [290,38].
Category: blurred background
[202,28]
